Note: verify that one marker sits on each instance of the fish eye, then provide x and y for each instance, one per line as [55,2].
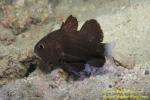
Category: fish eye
[41,46]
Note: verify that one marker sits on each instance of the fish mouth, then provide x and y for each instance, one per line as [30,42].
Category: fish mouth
[37,56]
[43,61]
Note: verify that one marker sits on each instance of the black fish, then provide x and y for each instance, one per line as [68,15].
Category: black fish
[71,49]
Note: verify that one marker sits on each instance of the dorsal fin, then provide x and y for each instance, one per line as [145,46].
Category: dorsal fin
[92,31]
[70,25]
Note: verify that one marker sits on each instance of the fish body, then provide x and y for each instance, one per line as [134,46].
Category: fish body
[68,47]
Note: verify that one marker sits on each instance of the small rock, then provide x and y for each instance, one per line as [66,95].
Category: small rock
[146,72]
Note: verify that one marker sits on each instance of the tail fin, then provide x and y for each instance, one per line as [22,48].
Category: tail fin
[105,49]
[108,49]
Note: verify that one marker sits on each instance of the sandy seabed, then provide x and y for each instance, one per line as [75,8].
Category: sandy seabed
[24,22]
